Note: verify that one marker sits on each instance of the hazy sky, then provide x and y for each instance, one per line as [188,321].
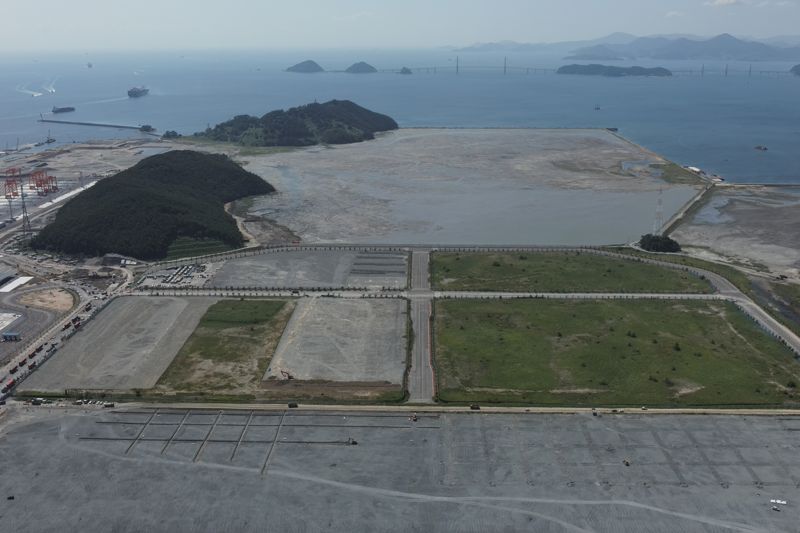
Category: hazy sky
[160,24]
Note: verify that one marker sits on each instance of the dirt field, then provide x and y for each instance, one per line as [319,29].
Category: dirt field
[230,349]
[441,186]
[344,341]
[753,226]
[57,300]
[128,346]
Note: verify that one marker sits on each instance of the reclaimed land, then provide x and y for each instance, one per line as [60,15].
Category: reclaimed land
[612,353]
[557,272]
[229,351]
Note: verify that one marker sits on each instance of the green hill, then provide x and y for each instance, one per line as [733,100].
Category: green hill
[361,68]
[306,67]
[141,211]
[334,122]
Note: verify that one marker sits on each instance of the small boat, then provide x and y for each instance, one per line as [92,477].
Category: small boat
[761,148]
[137,92]
[63,109]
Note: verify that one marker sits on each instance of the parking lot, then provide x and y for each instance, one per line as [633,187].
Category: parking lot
[311,269]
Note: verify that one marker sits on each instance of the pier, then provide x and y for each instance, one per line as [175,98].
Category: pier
[95,124]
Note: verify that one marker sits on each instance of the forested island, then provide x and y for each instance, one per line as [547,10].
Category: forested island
[361,68]
[614,72]
[141,211]
[796,70]
[334,122]
[306,67]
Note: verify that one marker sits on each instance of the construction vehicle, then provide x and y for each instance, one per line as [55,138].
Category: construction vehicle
[286,375]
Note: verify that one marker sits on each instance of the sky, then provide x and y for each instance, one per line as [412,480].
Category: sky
[93,25]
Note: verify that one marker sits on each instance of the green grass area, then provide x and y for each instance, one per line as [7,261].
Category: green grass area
[188,247]
[557,272]
[783,304]
[243,151]
[737,277]
[231,347]
[615,352]
[674,173]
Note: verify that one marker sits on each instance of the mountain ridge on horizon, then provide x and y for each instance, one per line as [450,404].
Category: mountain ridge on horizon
[617,46]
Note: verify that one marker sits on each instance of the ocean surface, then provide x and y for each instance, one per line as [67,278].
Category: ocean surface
[713,122]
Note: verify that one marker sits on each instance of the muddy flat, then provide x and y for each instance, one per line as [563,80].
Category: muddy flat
[470,186]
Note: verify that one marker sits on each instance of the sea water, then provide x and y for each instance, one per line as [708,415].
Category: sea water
[713,122]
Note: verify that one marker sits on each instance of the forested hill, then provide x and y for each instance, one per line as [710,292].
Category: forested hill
[141,211]
[614,72]
[334,122]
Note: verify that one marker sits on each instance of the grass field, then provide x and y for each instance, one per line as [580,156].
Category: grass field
[557,272]
[617,352]
[733,275]
[187,247]
[230,349]
[674,173]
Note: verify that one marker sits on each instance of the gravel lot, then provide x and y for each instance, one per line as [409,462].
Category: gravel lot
[304,269]
[127,346]
[343,340]
[446,472]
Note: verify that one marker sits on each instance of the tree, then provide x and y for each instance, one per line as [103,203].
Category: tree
[659,243]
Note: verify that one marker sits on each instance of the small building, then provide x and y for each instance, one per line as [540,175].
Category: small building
[113,259]
[6,276]
[11,336]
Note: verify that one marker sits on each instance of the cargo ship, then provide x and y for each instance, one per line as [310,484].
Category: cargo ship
[136,92]
[63,109]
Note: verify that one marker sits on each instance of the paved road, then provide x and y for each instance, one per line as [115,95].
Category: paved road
[420,377]
[421,388]
[420,270]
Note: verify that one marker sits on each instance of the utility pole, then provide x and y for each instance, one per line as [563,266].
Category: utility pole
[457,65]
[26,222]
[658,222]
[505,65]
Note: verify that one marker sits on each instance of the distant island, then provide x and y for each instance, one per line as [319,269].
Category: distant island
[405,70]
[361,68]
[306,67]
[141,211]
[334,122]
[795,70]
[614,72]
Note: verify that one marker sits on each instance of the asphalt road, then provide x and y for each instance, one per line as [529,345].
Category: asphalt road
[421,380]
